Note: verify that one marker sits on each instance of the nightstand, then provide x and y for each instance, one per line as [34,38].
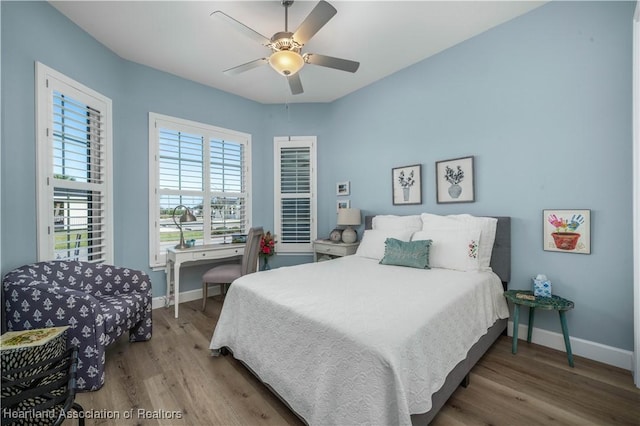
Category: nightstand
[526,298]
[327,249]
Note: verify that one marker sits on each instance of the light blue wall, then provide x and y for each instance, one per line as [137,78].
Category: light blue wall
[148,90]
[542,102]
[35,31]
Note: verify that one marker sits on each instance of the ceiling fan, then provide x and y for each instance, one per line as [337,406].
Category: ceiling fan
[287,57]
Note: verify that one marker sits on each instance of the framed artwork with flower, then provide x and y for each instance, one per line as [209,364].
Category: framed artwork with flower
[406,184]
[567,231]
[454,181]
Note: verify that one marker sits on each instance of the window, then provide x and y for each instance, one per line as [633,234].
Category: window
[295,194]
[200,167]
[74,170]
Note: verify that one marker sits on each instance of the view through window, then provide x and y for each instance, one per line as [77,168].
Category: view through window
[201,168]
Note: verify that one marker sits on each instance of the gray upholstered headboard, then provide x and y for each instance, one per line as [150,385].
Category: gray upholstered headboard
[501,254]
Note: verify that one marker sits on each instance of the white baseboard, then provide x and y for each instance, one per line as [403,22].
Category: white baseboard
[585,348]
[185,296]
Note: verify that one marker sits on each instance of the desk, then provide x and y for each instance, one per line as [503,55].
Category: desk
[199,254]
[546,303]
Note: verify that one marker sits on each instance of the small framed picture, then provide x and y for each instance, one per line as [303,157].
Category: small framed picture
[454,181]
[567,231]
[343,204]
[343,188]
[406,184]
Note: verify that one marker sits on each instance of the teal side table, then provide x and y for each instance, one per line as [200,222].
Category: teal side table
[546,303]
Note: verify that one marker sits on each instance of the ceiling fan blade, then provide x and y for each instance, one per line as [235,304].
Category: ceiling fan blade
[295,84]
[331,62]
[319,16]
[239,26]
[246,67]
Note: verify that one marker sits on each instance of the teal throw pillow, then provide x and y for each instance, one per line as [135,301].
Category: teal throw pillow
[414,254]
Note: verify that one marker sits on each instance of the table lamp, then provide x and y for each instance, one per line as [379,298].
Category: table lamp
[187,216]
[349,218]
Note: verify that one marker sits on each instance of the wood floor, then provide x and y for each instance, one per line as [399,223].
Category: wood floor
[174,377]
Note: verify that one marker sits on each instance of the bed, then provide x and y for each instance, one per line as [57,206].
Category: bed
[354,341]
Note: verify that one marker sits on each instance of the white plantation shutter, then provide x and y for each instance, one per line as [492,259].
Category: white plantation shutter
[74,170]
[204,168]
[181,160]
[79,225]
[180,168]
[295,193]
[228,189]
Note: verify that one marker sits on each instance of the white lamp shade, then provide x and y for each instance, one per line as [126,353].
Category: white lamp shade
[286,62]
[349,217]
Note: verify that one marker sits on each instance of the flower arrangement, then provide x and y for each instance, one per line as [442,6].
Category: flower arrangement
[406,182]
[267,245]
[452,177]
[564,225]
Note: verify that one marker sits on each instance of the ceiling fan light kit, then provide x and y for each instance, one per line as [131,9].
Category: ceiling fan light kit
[286,57]
[286,62]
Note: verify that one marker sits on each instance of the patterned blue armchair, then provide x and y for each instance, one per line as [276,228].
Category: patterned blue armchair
[98,302]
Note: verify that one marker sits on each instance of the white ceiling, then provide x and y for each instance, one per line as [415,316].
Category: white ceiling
[181,38]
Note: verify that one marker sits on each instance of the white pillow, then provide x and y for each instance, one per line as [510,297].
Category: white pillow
[452,248]
[372,244]
[486,226]
[435,221]
[392,222]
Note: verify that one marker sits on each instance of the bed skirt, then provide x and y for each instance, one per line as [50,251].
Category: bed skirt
[454,379]
[459,372]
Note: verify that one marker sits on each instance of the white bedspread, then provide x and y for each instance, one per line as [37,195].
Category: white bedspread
[353,342]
